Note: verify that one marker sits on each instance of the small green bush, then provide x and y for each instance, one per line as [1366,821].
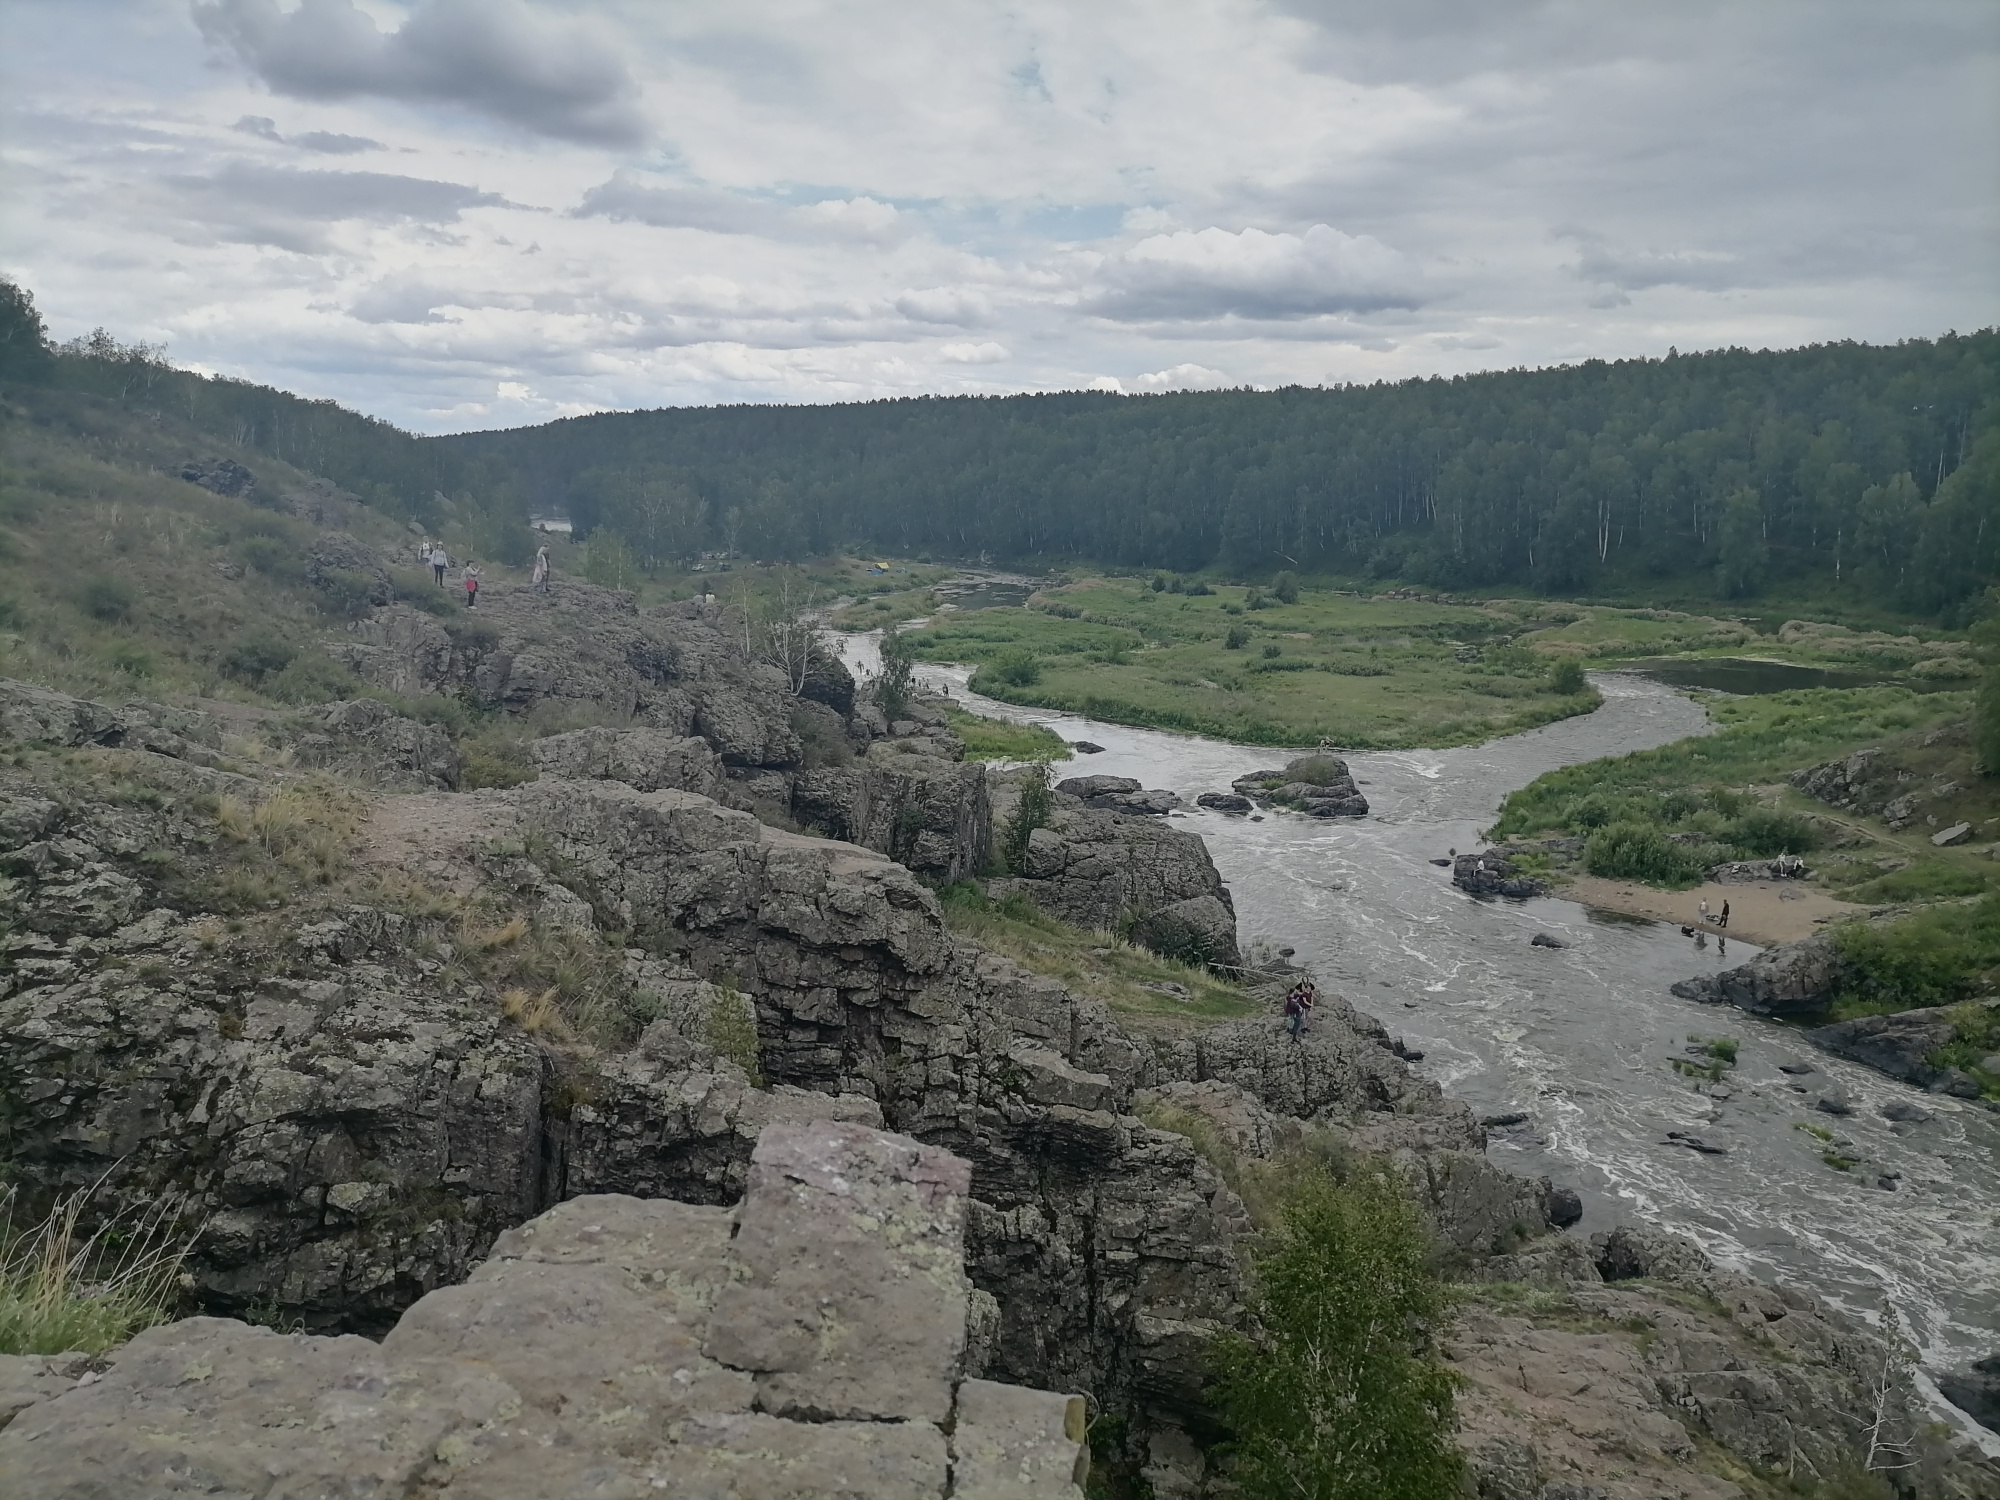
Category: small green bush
[1014,669]
[1273,652]
[1237,639]
[1933,957]
[1640,851]
[311,678]
[1764,832]
[1566,677]
[1314,770]
[1286,587]
[1036,807]
[271,557]
[106,598]
[256,655]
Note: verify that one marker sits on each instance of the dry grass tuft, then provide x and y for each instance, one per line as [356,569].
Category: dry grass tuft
[485,939]
[535,1013]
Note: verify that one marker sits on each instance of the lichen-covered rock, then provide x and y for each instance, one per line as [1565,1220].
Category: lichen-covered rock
[927,812]
[806,1344]
[648,760]
[1797,979]
[370,742]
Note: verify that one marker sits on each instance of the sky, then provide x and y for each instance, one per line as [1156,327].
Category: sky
[464,214]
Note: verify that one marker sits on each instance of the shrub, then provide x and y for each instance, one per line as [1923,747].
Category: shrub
[1237,639]
[105,598]
[271,557]
[1036,807]
[1255,600]
[256,655]
[1014,669]
[1640,851]
[1566,677]
[346,594]
[311,678]
[892,687]
[1765,831]
[1159,583]
[1935,957]
[1286,587]
[1314,770]
[1340,1396]
[1271,653]
[1197,589]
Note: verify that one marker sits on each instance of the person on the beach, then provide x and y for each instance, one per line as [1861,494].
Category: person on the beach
[1725,915]
[1703,909]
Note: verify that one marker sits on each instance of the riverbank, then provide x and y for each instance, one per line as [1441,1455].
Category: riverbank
[1765,913]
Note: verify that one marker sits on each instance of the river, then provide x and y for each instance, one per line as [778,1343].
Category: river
[1579,1039]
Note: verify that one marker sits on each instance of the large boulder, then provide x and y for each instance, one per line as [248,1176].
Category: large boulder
[1900,1045]
[1797,979]
[811,1342]
[1493,874]
[368,741]
[929,813]
[1199,931]
[648,760]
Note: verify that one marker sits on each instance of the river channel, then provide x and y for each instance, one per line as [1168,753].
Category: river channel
[1579,1039]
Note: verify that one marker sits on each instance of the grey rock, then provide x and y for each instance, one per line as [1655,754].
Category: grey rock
[1493,874]
[1957,833]
[1199,930]
[1629,1252]
[648,760]
[1833,1104]
[585,1351]
[1900,1045]
[1227,802]
[368,741]
[1545,940]
[1975,1390]
[1797,979]
[1797,1069]
[1904,1112]
[929,813]
[1087,787]
[1085,747]
[1563,1207]
[221,476]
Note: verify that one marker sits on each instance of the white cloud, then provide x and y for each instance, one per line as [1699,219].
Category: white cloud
[614,204]
[1183,377]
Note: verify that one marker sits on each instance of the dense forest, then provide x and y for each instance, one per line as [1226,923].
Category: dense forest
[1865,472]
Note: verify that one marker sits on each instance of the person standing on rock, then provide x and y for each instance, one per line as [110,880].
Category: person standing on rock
[440,560]
[471,586]
[540,577]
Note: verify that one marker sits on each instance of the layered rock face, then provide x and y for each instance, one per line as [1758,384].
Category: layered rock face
[811,1342]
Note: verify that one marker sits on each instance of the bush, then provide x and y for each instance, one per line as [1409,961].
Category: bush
[1255,600]
[105,598]
[1036,807]
[1641,851]
[1237,639]
[1340,1396]
[1271,653]
[1314,770]
[62,1290]
[1766,831]
[311,678]
[1286,587]
[1566,677]
[1014,669]
[255,656]
[1935,957]
[271,557]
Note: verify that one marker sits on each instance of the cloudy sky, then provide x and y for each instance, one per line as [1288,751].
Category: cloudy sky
[475,213]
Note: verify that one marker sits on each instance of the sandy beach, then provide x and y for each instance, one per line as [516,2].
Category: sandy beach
[1763,912]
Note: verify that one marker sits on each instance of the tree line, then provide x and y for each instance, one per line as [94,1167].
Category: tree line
[1869,470]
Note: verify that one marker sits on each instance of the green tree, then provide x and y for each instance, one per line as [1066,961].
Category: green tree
[1744,554]
[1036,807]
[1286,587]
[892,687]
[1340,1396]
[1566,677]
[24,341]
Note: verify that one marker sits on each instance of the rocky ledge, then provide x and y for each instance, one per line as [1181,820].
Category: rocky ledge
[1320,786]
[813,1341]
[1493,873]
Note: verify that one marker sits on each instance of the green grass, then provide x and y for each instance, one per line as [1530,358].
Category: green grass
[1094,963]
[996,739]
[1920,881]
[1936,956]
[1365,673]
[1663,816]
[63,1289]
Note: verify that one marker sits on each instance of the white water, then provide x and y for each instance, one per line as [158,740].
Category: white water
[1580,1038]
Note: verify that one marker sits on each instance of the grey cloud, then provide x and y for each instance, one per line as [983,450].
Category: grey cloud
[329,144]
[262,126]
[625,197]
[1202,275]
[492,56]
[284,206]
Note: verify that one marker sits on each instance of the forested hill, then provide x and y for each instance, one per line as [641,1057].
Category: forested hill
[1879,467]
[1866,475]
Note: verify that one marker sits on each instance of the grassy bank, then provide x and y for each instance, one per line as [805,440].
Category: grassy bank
[996,739]
[1664,816]
[1246,665]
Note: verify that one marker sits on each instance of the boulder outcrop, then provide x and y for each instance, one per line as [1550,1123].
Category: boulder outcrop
[1798,979]
[810,1342]
[1493,873]
[371,743]
[1901,1045]
[648,760]
[1320,786]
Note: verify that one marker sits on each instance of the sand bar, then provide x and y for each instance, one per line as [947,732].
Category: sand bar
[1765,912]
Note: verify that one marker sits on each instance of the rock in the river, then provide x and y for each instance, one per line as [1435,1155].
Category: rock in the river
[1492,874]
[1903,1112]
[1085,747]
[1798,979]
[1565,1207]
[811,1342]
[1546,940]
[1975,1390]
[1900,1045]
[1319,786]
[1118,794]
[1227,802]
[1834,1104]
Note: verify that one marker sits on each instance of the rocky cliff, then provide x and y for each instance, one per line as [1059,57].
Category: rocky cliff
[358,1036]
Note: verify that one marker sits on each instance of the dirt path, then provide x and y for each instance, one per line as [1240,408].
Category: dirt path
[1763,912]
